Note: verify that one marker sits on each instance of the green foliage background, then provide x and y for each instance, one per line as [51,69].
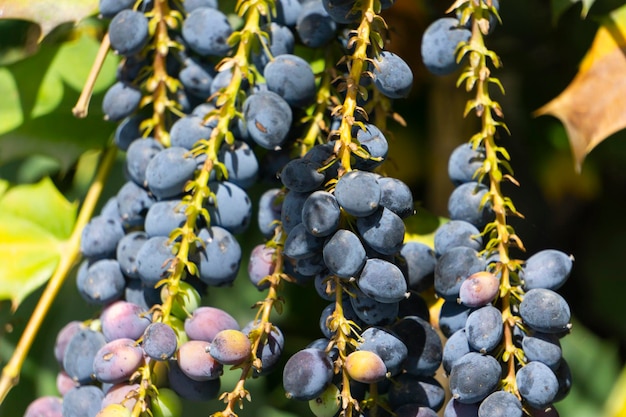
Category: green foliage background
[579,214]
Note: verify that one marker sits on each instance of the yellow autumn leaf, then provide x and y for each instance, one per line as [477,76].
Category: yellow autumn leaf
[593,106]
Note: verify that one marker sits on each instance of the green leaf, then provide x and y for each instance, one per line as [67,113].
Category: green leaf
[35,222]
[595,366]
[10,106]
[48,14]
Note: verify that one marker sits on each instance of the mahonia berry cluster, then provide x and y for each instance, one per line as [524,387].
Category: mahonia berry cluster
[502,316]
[206,111]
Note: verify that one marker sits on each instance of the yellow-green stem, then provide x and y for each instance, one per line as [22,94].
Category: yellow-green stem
[160,95]
[356,64]
[484,107]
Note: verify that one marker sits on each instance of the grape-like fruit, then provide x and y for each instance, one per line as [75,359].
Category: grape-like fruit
[48,406]
[382,281]
[109,8]
[82,401]
[261,264]
[164,216]
[291,210]
[500,404]
[191,5]
[543,347]
[392,75]
[190,389]
[268,119]
[196,76]
[439,43]
[479,289]
[231,208]
[117,361]
[128,32]
[126,252]
[423,343]
[153,260]
[206,31]
[241,163]
[395,195]
[321,213]
[467,203]
[358,193]
[537,384]
[301,244]
[417,261]
[269,211]
[457,233]
[159,341]
[292,78]
[455,408]
[195,361]
[122,393]
[281,41]
[414,410]
[63,338]
[548,268]
[101,282]
[188,130]
[371,311]
[220,257]
[455,348]
[344,254]
[386,345]
[206,322]
[230,347]
[473,377]
[133,202]
[545,311]
[365,366]
[314,25]
[100,236]
[306,374]
[383,231]
[453,267]
[120,100]
[80,353]
[122,319]
[463,163]
[484,328]
[452,317]
[302,175]
[269,352]
[169,171]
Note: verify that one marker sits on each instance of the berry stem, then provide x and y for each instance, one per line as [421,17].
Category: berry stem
[356,64]
[477,75]
[259,333]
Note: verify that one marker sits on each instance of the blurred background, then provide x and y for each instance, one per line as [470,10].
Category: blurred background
[540,43]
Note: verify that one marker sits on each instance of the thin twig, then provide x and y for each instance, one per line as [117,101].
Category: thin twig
[82,105]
